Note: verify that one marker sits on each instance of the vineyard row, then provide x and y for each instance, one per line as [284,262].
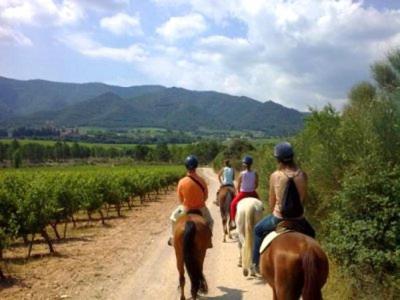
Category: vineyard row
[32,201]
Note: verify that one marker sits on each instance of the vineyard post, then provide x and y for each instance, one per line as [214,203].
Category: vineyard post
[30,245]
[65,227]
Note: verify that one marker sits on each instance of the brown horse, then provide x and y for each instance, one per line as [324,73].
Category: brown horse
[192,237]
[224,199]
[294,265]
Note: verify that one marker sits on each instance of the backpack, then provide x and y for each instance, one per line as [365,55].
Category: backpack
[291,206]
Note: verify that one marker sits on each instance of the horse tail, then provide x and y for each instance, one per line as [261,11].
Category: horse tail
[189,257]
[248,239]
[312,286]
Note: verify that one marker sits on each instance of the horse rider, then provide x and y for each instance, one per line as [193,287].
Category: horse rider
[284,154]
[247,185]
[192,193]
[226,177]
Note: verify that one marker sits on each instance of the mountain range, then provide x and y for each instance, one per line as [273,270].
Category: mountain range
[34,103]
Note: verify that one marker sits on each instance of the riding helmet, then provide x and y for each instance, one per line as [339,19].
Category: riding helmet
[247,160]
[283,152]
[191,162]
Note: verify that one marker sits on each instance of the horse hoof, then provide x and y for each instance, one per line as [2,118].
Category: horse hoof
[239,265]
[245,272]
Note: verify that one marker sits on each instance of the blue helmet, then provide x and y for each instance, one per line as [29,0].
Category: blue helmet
[247,160]
[191,162]
[284,152]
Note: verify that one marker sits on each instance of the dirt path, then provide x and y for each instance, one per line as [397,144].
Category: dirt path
[128,259]
[157,277]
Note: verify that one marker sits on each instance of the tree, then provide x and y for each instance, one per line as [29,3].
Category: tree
[162,153]
[17,159]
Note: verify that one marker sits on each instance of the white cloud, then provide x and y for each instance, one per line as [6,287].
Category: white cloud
[182,27]
[41,12]
[86,46]
[300,52]
[122,23]
[10,36]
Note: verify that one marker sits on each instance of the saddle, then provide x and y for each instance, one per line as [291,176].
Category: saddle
[291,225]
[194,212]
[284,226]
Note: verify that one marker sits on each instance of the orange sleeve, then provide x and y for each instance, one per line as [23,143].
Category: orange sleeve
[179,190]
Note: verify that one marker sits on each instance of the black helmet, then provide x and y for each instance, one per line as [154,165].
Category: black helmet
[283,152]
[247,160]
[191,162]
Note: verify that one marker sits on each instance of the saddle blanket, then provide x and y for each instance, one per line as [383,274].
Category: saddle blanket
[269,238]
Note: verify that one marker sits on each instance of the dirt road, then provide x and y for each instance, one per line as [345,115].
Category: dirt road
[127,259]
[157,276]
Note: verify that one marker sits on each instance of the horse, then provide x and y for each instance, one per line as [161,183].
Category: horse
[295,265]
[249,212]
[192,237]
[224,199]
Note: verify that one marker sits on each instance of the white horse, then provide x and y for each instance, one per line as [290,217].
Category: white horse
[249,212]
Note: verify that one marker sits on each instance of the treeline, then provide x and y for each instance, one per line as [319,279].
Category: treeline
[122,136]
[35,152]
[353,161]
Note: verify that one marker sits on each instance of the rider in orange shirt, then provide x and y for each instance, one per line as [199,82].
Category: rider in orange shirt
[193,193]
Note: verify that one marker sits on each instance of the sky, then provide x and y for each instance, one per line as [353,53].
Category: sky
[299,53]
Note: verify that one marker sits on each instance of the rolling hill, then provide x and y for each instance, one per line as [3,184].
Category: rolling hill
[36,102]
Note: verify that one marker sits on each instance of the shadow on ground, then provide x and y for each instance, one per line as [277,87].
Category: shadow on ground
[229,294]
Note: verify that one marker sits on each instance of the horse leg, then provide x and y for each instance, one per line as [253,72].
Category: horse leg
[181,271]
[203,283]
[228,227]
[274,294]
[240,254]
[224,228]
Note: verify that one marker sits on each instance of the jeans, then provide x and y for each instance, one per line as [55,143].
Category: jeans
[261,230]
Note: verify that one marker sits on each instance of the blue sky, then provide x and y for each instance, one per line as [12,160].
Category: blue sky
[299,53]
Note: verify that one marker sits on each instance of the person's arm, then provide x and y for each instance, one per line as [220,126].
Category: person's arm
[180,194]
[303,187]
[233,173]
[272,196]
[239,183]
[256,181]
[219,175]
[204,183]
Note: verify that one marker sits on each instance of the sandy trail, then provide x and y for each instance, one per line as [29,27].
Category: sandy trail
[157,276]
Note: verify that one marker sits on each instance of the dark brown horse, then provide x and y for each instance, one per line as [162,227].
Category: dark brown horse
[294,265]
[192,237]
[224,199]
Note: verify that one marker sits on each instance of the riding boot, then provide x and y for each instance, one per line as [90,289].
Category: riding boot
[216,200]
[170,241]
[255,270]
[232,225]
